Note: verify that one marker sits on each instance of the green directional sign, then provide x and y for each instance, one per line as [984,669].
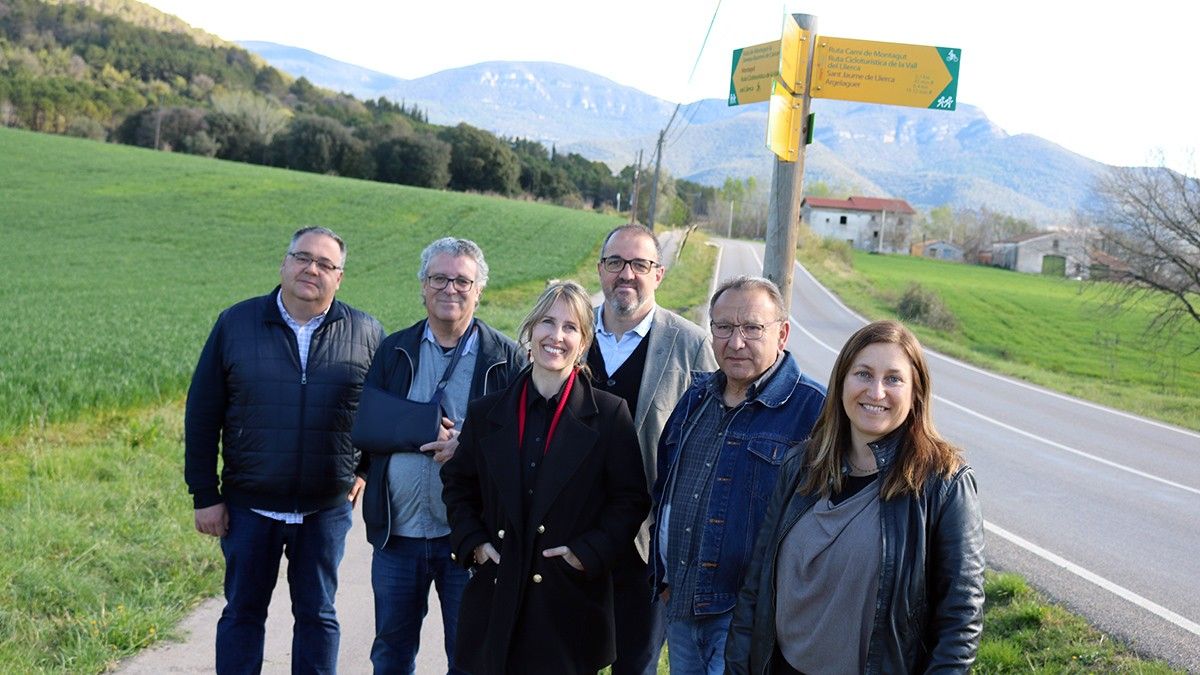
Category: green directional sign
[753,70]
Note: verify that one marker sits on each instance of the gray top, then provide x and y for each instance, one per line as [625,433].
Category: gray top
[828,577]
[414,478]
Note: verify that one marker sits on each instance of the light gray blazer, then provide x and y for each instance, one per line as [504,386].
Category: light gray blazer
[677,349]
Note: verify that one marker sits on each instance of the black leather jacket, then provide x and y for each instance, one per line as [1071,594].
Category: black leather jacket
[284,436]
[929,612]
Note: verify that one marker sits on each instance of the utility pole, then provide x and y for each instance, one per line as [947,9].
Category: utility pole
[658,165]
[787,180]
[729,234]
[637,178]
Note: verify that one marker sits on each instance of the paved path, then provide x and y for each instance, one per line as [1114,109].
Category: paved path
[355,612]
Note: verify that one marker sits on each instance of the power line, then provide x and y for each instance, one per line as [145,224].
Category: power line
[705,41]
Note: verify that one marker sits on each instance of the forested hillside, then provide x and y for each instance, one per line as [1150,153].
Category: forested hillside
[121,71]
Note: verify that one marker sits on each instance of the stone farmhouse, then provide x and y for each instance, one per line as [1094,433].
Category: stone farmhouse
[866,223]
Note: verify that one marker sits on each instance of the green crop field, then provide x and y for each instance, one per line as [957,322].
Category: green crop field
[1055,332]
[119,259]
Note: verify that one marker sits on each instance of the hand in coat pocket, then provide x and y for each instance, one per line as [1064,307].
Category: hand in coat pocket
[486,552]
[566,555]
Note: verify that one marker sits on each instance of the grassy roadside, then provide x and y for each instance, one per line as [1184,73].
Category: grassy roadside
[684,289]
[1022,633]
[1054,332]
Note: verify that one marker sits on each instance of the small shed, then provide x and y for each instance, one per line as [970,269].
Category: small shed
[937,248]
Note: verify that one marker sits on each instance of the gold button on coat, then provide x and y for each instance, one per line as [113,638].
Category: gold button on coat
[537,578]
[500,534]
[541,529]
[453,557]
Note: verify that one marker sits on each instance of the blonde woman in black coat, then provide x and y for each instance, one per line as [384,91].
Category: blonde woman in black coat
[545,489]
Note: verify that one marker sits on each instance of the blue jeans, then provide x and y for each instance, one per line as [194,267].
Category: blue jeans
[252,549]
[696,645]
[401,573]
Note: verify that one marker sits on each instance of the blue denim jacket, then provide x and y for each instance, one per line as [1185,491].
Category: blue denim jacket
[756,441]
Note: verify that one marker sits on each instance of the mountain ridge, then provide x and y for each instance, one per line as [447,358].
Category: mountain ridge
[927,157]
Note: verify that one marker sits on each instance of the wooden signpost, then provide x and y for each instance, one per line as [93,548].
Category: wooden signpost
[803,65]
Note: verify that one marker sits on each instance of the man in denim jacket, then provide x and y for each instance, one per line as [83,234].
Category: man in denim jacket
[718,459]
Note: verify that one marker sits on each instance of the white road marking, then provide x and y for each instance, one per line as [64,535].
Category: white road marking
[1088,575]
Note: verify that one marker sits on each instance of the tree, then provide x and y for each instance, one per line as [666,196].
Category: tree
[245,124]
[417,159]
[1150,218]
[174,128]
[322,145]
[480,161]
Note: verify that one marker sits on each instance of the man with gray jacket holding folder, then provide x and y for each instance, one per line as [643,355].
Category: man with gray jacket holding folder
[402,507]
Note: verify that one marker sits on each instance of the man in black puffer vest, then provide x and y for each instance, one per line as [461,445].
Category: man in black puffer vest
[277,385]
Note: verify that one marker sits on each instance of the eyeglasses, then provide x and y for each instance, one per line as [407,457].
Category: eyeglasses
[438,282]
[748,331]
[614,264]
[304,260]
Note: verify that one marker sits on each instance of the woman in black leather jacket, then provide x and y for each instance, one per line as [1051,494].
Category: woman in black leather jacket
[870,558]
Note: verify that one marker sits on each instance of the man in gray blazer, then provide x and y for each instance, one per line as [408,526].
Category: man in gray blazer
[645,354]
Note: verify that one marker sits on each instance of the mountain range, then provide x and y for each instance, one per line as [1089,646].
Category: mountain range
[928,157]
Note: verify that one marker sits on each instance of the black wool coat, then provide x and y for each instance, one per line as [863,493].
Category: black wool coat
[529,613]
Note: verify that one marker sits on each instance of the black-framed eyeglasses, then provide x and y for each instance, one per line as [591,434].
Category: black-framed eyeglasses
[748,331]
[439,281]
[304,260]
[614,264]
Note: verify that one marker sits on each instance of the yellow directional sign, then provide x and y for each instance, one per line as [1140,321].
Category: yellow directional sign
[793,55]
[885,72]
[753,70]
[784,123]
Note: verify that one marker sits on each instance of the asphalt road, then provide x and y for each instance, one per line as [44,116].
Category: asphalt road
[1098,508]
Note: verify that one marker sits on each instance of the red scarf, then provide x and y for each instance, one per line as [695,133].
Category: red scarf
[562,403]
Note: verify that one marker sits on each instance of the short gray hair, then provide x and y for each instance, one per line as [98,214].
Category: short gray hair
[315,229]
[455,248]
[745,283]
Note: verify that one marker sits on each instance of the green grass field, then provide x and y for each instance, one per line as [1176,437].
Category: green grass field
[1055,332]
[119,260]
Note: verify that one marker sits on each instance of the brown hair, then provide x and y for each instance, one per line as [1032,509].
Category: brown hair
[922,452]
[578,301]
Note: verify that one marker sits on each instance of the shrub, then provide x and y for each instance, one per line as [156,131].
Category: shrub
[86,127]
[923,306]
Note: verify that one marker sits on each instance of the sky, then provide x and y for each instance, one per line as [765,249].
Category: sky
[1115,86]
